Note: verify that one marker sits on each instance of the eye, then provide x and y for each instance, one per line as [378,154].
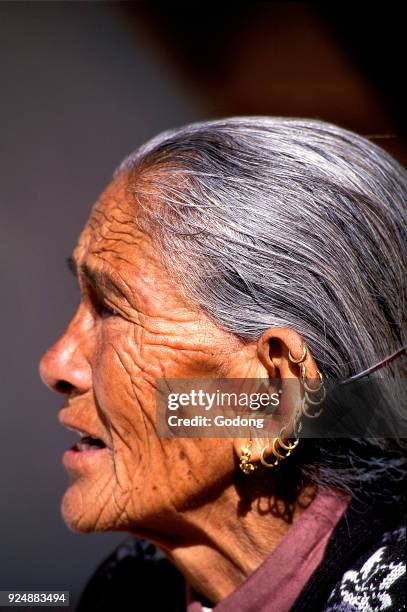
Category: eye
[105,311]
[102,307]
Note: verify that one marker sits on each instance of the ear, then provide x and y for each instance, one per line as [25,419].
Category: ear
[273,349]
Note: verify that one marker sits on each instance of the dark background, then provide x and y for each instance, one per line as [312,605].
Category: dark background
[83,84]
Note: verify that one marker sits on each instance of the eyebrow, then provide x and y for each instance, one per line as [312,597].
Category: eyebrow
[98,280]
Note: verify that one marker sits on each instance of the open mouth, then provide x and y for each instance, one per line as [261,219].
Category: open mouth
[87,443]
[85,454]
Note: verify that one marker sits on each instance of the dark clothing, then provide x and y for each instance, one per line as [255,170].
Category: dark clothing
[363,568]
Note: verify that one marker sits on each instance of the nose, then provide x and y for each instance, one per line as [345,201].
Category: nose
[65,368]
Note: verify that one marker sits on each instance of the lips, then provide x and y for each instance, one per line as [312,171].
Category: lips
[84,456]
[89,440]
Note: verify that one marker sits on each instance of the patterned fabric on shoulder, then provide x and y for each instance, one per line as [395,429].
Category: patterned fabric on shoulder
[377,582]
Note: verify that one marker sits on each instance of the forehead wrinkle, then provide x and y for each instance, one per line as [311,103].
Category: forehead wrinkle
[112,229]
[113,203]
[128,236]
[103,212]
[133,262]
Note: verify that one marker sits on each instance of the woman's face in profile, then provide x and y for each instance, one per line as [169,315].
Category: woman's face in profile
[131,328]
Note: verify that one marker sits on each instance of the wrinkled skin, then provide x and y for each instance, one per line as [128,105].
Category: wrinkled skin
[112,360]
[106,363]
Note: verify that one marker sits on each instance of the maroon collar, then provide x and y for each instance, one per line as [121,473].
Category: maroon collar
[280,578]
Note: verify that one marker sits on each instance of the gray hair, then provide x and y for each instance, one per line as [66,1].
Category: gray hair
[270,222]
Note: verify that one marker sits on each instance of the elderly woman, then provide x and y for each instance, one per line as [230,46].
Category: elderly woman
[249,248]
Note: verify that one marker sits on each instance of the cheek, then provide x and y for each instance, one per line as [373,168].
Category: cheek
[155,474]
[124,375]
[126,367]
[124,384]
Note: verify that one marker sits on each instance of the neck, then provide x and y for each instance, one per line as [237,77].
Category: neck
[218,545]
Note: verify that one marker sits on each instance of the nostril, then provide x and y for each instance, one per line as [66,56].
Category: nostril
[65,369]
[63,386]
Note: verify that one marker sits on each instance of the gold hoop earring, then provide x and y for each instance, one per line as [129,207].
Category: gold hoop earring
[264,462]
[320,400]
[278,443]
[301,359]
[304,411]
[309,389]
[307,400]
[245,465]
[276,453]
[289,446]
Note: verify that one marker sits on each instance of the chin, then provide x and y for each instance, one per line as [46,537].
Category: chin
[84,512]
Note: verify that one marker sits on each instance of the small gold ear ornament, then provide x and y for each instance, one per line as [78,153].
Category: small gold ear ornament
[316,389]
[245,465]
[266,464]
[300,359]
[312,396]
[280,448]
[285,444]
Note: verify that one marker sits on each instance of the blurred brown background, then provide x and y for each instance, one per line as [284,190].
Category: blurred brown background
[84,83]
[335,61]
